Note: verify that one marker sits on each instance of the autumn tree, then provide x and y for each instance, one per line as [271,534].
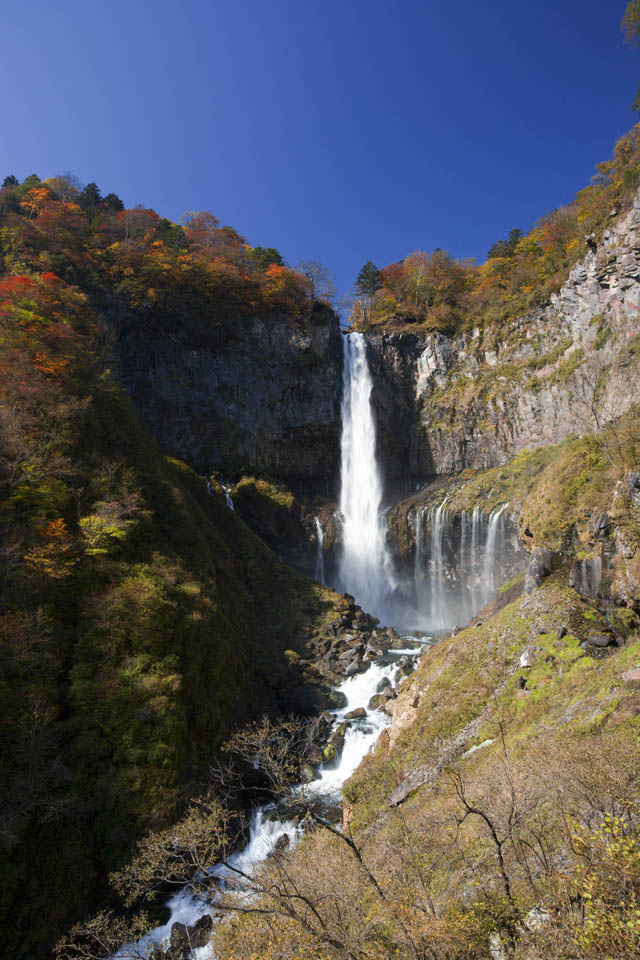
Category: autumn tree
[322,283]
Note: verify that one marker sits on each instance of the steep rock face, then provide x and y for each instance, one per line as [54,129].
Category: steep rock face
[253,394]
[476,399]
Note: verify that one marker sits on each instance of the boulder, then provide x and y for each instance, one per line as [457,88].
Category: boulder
[356,714]
[330,754]
[632,676]
[356,667]
[337,700]
[377,702]
[526,660]
[596,639]
[633,486]
[201,931]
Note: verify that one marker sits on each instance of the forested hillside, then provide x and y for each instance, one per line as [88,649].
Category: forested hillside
[140,619]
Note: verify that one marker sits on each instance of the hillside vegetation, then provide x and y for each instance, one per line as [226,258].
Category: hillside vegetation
[140,619]
[435,292]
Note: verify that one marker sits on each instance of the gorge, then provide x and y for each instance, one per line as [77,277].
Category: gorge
[393,570]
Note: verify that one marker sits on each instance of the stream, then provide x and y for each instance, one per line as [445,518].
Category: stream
[265,831]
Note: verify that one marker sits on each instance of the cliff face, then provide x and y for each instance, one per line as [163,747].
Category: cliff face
[476,399]
[254,394]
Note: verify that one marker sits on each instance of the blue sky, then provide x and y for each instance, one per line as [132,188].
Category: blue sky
[336,131]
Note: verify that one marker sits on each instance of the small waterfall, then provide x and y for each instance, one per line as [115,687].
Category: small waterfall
[441,598]
[227,496]
[474,559]
[319,574]
[495,525]
[439,614]
[463,573]
[366,569]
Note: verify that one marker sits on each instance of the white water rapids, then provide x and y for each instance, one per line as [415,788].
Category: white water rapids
[265,831]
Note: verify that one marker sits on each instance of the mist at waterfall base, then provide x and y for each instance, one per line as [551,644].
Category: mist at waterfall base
[457,557]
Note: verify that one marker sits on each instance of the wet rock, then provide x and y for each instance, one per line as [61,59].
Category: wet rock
[336,739]
[542,563]
[585,576]
[330,753]
[179,943]
[377,702]
[337,700]
[356,667]
[282,843]
[307,773]
[633,486]
[385,686]
[356,714]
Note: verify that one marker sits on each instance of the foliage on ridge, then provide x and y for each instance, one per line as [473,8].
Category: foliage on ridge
[139,617]
[436,292]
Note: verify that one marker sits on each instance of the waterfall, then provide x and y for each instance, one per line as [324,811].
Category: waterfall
[227,496]
[474,558]
[366,569]
[489,587]
[319,574]
[463,570]
[439,614]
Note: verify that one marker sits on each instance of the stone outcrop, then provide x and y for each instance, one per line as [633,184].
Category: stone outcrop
[476,399]
[256,394]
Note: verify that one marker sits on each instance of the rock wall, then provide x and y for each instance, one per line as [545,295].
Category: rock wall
[476,399]
[253,394]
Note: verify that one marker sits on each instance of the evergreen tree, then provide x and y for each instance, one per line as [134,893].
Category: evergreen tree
[10,181]
[90,196]
[368,280]
[113,200]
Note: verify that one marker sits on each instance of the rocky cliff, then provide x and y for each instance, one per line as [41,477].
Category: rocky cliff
[476,399]
[251,394]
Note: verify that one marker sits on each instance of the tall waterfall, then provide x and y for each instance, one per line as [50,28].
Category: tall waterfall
[366,569]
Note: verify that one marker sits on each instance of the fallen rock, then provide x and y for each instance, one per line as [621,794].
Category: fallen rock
[377,702]
[526,660]
[632,676]
[356,714]
[356,667]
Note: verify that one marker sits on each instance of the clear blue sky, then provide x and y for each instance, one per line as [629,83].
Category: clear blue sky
[337,131]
